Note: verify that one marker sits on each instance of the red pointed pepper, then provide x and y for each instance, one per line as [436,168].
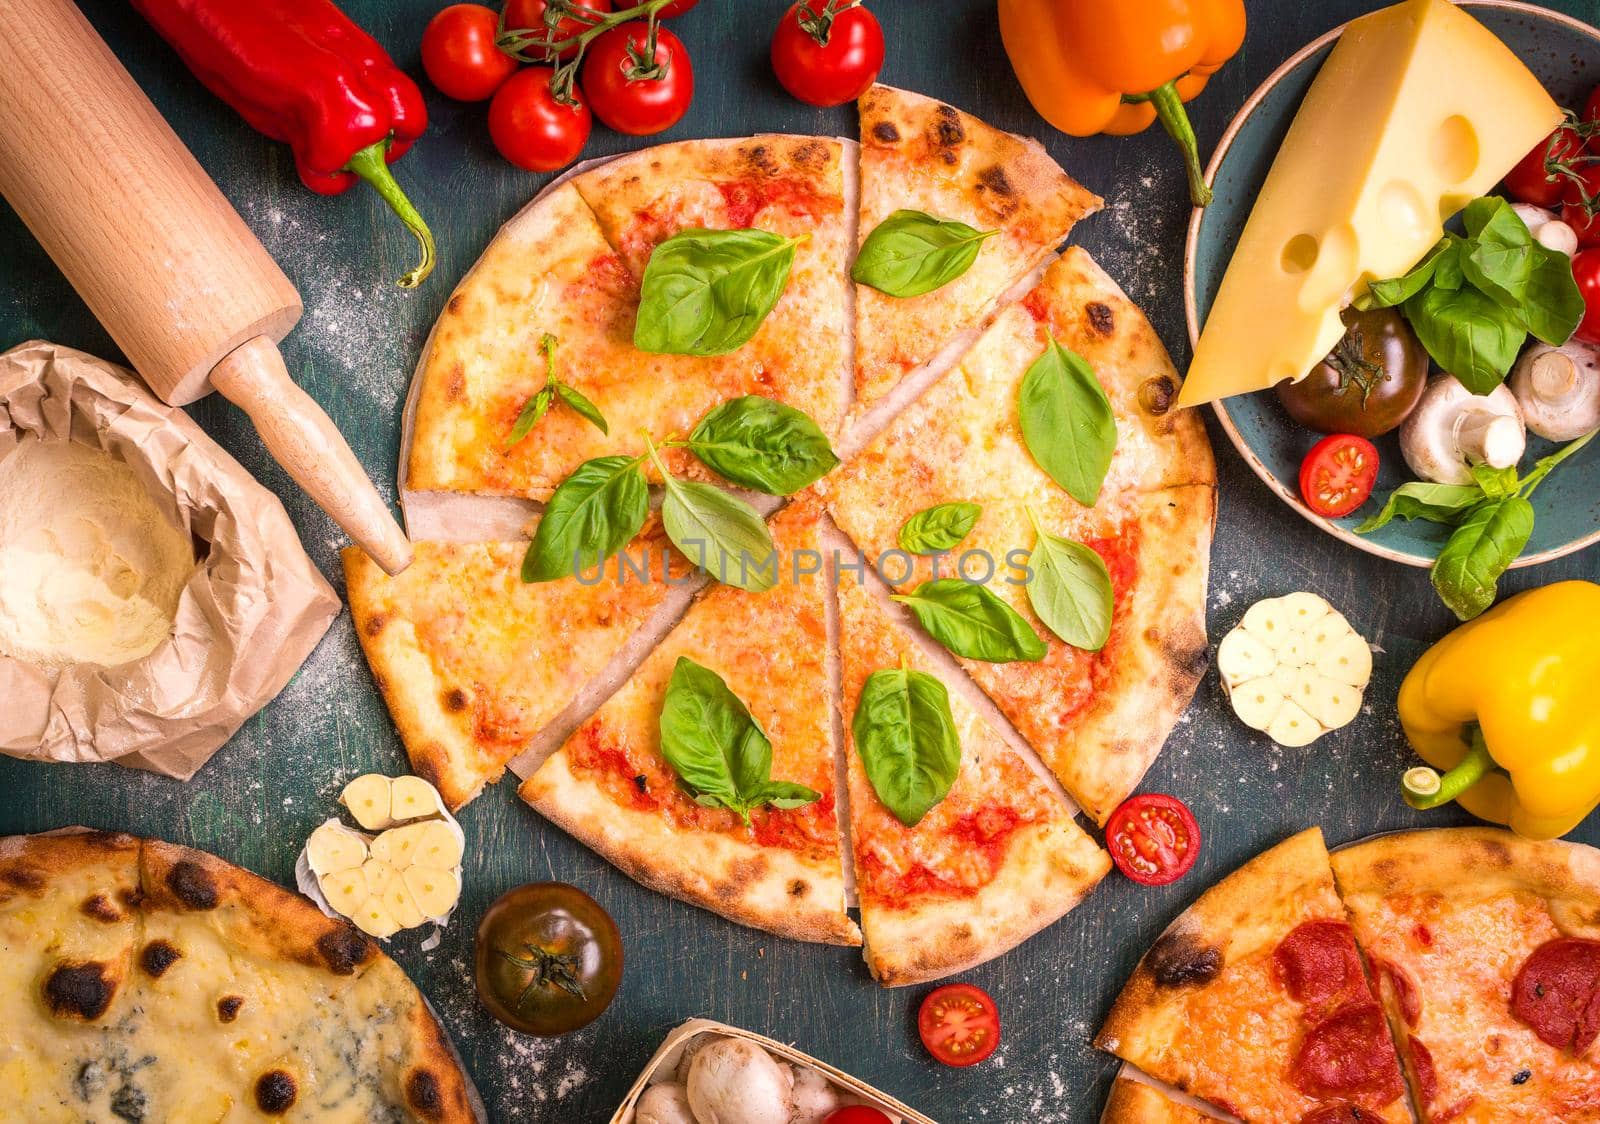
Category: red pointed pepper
[301,71]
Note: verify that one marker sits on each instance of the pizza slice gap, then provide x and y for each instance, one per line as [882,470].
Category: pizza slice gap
[1138,1099]
[1486,951]
[995,861]
[611,787]
[1256,1000]
[919,154]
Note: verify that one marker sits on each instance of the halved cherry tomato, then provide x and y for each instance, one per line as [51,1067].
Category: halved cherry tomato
[528,15]
[1338,473]
[1529,182]
[959,1024]
[827,52]
[531,128]
[1586,269]
[1153,838]
[856,1114]
[634,97]
[459,54]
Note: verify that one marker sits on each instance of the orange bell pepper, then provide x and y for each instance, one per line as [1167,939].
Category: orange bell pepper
[1114,66]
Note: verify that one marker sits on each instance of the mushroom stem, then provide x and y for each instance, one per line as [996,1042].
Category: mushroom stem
[1487,437]
[1553,379]
[1558,389]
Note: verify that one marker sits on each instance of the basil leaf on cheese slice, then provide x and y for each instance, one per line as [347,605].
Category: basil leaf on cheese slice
[707,292]
[912,252]
[937,529]
[1067,422]
[906,736]
[1070,589]
[594,513]
[763,445]
[971,621]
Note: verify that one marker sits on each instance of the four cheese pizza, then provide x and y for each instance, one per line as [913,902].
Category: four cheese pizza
[146,981]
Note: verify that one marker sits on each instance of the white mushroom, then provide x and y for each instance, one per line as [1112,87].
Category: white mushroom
[666,1103]
[1558,389]
[1546,229]
[1452,428]
[813,1098]
[733,1081]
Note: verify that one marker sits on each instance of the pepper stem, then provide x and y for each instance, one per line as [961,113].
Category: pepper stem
[370,164]
[1425,789]
[1175,120]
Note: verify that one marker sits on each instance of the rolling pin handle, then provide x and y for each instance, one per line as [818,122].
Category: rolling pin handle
[311,449]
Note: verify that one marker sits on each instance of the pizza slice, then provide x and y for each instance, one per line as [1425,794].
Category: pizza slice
[1255,1000]
[998,859]
[1486,949]
[612,787]
[1138,1102]
[922,155]
[473,662]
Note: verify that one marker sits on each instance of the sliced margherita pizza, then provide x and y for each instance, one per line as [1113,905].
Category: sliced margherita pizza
[1255,1000]
[1138,1102]
[919,154]
[474,662]
[745,675]
[1486,949]
[994,861]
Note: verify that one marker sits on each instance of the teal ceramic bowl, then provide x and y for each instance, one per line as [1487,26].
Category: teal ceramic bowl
[1565,54]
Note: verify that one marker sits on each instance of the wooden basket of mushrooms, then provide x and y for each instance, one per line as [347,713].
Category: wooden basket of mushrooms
[710,1073]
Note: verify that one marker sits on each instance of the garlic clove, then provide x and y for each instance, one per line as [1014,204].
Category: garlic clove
[1241,657]
[395,845]
[1257,702]
[373,918]
[379,876]
[1293,727]
[435,891]
[346,890]
[335,847]
[437,845]
[412,798]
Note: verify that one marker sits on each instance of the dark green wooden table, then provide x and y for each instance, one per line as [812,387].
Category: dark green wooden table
[355,350]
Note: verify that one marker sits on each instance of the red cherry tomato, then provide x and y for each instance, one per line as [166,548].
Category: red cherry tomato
[1586,268]
[1153,838]
[1573,212]
[632,98]
[676,8]
[959,1024]
[528,15]
[856,1114]
[1338,473]
[459,54]
[825,55]
[531,128]
[1528,182]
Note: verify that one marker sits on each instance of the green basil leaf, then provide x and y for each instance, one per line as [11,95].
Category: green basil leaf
[1467,334]
[906,736]
[1479,551]
[1497,483]
[532,410]
[1070,590]
[911,253]
[1543,466]
[972,621]
[937,529]
[1397,290]
[1067,422]
[1499,255]
[717,748]
[1437,503]
[1447,271]
[721,534]
[706,292]
[1552,305]
[594,513]
[583,407]
[763,445]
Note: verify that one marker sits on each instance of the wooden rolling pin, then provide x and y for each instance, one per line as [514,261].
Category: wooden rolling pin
[160,256]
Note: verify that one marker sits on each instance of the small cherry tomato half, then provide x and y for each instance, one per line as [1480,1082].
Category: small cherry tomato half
[531,128]
[1586,269]
[548,959]
[1338,473]
[459,54]
[1153,838]
[959,1024]
[1529,182]
[856,1114]
[528,15]
[827,53]
[630,93]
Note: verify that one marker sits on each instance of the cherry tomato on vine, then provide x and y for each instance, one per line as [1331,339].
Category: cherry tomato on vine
[1153,838]
[531,128]
[632,92]
[1528,182]
[1575,213]
[528,15]
[676,8]
[855,1114]
[1586,268]
[1338,474]
[827,52]
[459,54]
[959,1024]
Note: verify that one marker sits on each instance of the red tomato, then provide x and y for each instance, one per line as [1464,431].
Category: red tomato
[1528,182]
[1586,268]
[1573,211]
[1338,473]
[825,56]
[459,54]
[856,1114]
[959,1024]
[676,8]
[528,15]
[634,99]
[533,130]
[1153,838]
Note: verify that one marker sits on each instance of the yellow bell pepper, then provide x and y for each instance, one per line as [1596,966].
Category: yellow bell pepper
[1509,705]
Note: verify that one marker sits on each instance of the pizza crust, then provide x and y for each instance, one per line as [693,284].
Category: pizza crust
[1138,1102]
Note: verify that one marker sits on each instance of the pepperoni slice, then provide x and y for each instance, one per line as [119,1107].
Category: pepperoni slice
[1347,1054]
[1318,963]
[1341,1113]
[1557,993]
[1405,992]
[1422,1069]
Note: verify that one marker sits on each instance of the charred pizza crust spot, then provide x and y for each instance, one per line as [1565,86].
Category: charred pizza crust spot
[456,303]
[994,179]
[193,885]
[799,888]
[884,132]
[760,159]
[22,877]
[156,957]
[79,991]
[130,897]
[344,950]
[947,130]
[276,1092]
[423,1094]
[1179,960]
[455,386]
[1101,319]
[812,156]
[1497,854]
[455,700]
[376,623]
[1156,395]
[228,1007]
[101,908]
